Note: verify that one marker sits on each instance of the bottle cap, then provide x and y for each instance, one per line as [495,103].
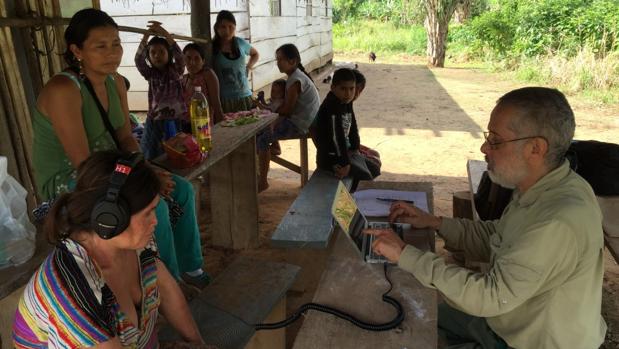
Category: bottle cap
[197,88]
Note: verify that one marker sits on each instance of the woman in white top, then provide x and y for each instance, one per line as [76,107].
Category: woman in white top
[296,114]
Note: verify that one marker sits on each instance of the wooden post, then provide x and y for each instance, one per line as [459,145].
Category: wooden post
[304,160]
[462,205]
[201,25]
[235,202]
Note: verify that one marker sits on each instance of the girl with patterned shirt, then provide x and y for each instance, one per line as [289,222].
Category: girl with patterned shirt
[162,63]
[99,290]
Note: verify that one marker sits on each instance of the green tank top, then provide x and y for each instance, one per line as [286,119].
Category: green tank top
[54,174]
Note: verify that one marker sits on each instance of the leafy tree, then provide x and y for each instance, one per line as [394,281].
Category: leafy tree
[438,15]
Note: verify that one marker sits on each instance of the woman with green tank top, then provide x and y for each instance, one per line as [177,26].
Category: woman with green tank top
[69,125]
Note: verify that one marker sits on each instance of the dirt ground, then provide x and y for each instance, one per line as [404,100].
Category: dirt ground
[425,123]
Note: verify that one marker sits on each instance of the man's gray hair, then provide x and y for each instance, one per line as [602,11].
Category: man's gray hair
[543,112]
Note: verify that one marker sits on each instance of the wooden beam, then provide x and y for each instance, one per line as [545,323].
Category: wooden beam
[47,21]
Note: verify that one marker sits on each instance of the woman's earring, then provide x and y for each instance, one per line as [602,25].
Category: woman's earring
[80,67]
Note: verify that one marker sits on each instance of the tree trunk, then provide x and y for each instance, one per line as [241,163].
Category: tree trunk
[463,11]
[438,14]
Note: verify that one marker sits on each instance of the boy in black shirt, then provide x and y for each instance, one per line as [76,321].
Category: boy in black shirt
[337,136]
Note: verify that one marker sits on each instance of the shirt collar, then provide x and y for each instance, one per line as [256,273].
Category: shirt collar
[550,180]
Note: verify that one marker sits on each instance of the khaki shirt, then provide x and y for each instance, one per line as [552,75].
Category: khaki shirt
[544,286]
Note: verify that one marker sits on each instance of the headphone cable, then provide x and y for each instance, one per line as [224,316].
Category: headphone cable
[395,322]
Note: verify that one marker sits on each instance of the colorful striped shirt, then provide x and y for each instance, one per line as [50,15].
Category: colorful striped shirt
[67,304]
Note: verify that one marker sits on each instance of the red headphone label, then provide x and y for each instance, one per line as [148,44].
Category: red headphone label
[123,169]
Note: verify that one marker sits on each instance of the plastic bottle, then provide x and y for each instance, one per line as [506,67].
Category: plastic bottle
[200,120]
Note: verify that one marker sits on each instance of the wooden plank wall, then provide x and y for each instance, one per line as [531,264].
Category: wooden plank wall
[311,34]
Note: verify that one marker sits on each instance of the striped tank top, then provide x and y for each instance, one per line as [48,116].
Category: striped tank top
[67,304]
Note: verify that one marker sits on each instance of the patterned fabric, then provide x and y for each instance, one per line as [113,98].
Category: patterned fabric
[232,73]
[67,304]
[190,82]
[54,173]
[165,91]
[235,105]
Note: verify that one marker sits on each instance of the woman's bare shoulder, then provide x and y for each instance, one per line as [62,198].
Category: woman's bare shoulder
[59,90]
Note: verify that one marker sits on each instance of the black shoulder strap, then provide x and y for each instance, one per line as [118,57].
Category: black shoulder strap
[104,115]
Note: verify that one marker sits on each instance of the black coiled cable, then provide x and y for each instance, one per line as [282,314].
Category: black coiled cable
[329,310]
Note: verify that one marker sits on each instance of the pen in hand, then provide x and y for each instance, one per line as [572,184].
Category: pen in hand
[394,200]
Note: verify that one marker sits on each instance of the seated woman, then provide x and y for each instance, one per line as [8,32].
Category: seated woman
[84,109]
[296,113]
[103,284]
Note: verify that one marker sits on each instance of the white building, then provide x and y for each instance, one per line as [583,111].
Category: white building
[266,24]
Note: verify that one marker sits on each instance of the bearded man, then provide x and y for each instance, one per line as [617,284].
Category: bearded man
[543,288]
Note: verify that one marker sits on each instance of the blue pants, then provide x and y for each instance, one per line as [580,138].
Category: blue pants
[179,245]
[283,129]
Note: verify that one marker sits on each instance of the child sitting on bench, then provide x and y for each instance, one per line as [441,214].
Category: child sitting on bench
[337,136]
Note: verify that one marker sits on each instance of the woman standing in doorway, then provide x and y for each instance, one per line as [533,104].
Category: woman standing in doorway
[231,64]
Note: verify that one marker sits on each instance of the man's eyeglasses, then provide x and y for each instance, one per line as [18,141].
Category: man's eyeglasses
[495,145]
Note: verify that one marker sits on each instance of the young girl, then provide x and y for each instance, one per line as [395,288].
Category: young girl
[162,64]
[229,56]
[199,75]
[296,114]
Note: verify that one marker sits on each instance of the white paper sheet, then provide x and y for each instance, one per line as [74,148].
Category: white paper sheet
[369,204]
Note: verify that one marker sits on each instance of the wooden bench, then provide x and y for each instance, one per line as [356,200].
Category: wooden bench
[248,292]
[610,223]
[301,169]
[308,222]
[351,285]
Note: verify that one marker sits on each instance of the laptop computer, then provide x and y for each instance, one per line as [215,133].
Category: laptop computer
[352,222]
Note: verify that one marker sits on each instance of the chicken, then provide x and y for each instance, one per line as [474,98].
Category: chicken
[372,57]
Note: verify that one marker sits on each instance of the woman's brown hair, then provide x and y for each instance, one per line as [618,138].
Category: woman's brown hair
[71,211]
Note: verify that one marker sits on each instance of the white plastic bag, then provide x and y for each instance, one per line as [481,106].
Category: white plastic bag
[17,234]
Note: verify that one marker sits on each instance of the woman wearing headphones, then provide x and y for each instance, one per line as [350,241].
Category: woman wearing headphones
[102,285]
[84,109]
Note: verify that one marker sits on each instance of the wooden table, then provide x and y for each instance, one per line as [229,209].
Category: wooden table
[356,287]
[232,170]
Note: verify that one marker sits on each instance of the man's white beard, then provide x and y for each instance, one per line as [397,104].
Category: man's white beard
[498,179]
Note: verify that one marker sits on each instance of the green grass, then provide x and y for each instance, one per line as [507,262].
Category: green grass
[379,37]
[584,74]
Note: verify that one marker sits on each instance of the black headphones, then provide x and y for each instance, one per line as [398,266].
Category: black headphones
[110,215]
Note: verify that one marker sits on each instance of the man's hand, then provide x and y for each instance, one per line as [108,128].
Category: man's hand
[405,213]
[341,171]
[387,243]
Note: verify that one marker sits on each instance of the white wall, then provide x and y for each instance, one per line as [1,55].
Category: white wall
[312,35]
